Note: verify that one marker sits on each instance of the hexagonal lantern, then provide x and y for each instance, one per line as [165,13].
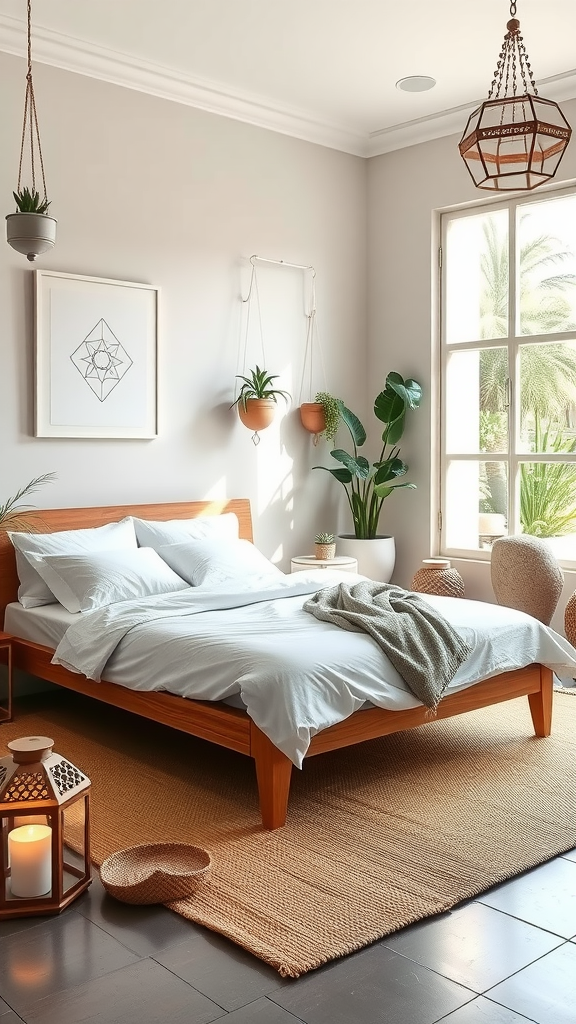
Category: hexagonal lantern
[514,142]
[45,829]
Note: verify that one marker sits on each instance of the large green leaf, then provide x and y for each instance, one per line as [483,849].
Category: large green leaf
[389,470]
[383,490]
[354,425]
[359,467]
[343,475]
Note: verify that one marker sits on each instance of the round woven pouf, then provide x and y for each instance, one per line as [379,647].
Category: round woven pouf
[570,620]
[438,577]
[155,873]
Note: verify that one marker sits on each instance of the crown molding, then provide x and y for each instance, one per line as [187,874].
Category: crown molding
[94,61]
[83,58]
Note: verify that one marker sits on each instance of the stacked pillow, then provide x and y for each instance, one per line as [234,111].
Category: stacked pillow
[132,559]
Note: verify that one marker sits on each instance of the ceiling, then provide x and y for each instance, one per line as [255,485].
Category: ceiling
[321,70]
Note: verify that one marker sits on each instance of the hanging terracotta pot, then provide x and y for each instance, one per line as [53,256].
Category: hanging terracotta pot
[313,417]
[258,414]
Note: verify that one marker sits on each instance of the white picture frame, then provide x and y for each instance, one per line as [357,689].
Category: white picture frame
[96,357]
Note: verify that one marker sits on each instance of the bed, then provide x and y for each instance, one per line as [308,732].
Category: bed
[231,726]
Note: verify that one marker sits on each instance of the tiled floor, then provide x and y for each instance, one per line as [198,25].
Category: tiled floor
[505,958]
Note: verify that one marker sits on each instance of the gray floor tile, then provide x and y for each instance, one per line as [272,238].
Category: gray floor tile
[546,990]
[9,1017]
[143,929]
[262,1011]
[484,1011]
[140,994]
[60,953]
[221,970]
[475,946]
[545,897]
[371,987]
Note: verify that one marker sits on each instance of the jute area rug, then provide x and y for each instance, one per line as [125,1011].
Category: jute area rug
[378,836]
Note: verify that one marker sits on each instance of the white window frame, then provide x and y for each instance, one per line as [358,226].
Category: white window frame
[514,343]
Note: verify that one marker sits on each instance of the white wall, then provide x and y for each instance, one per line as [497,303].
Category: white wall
[405,190]
[153,191]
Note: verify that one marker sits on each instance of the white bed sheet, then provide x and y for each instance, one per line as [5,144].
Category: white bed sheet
[296,675]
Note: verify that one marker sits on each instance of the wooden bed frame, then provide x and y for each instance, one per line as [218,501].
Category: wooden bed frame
[228,726]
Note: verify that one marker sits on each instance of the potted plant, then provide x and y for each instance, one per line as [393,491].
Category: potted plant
[366,484]
[322,416]
[324,545]
[258,399]
[30,230]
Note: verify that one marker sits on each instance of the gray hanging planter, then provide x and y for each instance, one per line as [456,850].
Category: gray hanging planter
[30,233]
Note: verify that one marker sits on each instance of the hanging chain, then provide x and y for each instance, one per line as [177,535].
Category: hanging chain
[30,122]
[512,62]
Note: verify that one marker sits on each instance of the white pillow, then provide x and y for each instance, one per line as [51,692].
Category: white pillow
[33,590]
[84,582]
[150,534]
[214,561]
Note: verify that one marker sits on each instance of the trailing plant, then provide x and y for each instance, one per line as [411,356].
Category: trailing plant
[29,201]
[331,407]
[13,514]
[324,538]
[258,385]
[368,485]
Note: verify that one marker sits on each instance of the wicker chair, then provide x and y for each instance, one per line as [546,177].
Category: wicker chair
[525,575]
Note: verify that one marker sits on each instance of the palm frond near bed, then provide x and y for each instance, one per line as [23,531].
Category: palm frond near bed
[13,514]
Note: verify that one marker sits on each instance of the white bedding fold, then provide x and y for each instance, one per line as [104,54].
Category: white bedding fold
[296,674]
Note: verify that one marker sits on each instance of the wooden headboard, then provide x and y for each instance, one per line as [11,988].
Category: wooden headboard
[54,519]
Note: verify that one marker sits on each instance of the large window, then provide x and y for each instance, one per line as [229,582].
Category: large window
[509,375]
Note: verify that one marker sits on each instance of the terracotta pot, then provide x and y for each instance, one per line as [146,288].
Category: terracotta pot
[313,417]
[258,414]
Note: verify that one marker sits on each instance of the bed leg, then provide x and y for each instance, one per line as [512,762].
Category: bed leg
[273,772]
[541,704]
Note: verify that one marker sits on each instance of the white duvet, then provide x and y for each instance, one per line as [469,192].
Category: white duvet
[295,674]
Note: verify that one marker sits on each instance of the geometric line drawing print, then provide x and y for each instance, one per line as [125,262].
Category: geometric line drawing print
[101,360]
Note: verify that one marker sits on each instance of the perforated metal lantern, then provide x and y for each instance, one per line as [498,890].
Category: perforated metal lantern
[514,141]
[45,822]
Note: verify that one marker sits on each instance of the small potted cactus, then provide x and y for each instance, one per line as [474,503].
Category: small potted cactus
[325,545]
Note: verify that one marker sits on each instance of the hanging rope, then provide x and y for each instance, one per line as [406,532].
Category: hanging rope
[30,122]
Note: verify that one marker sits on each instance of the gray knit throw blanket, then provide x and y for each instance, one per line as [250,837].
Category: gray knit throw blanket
[421,644]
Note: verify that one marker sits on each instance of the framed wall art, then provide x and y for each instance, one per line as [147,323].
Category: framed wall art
[95,357]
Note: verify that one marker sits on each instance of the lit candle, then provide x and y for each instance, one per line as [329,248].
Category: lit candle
[30,851]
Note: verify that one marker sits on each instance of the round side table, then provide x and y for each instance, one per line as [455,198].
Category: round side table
[300,562]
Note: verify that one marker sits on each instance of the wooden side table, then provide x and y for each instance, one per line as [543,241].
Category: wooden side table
[300,562]
[6,656]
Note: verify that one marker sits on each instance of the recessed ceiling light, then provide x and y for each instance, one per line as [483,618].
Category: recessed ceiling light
[416,83]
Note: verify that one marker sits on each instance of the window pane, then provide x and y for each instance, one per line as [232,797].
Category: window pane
[548,397]
[476,504]
[477,277]
[476,415]
[548,502]
[547,266]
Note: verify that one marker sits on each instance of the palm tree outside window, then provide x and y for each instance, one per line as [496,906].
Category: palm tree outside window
[508,327]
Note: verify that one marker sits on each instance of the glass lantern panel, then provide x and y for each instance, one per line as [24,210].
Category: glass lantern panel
[74,820]
[476,504]
[473,310]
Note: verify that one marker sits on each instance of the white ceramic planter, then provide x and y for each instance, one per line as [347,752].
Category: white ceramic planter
[376,557]
[30,233]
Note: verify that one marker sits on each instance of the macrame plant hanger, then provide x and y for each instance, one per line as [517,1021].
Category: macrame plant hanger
[311,334]
[311,412]
[252,291]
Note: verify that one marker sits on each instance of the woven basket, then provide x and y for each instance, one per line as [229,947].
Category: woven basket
[570,620]
[325,551]
[437,577]
[155,873]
